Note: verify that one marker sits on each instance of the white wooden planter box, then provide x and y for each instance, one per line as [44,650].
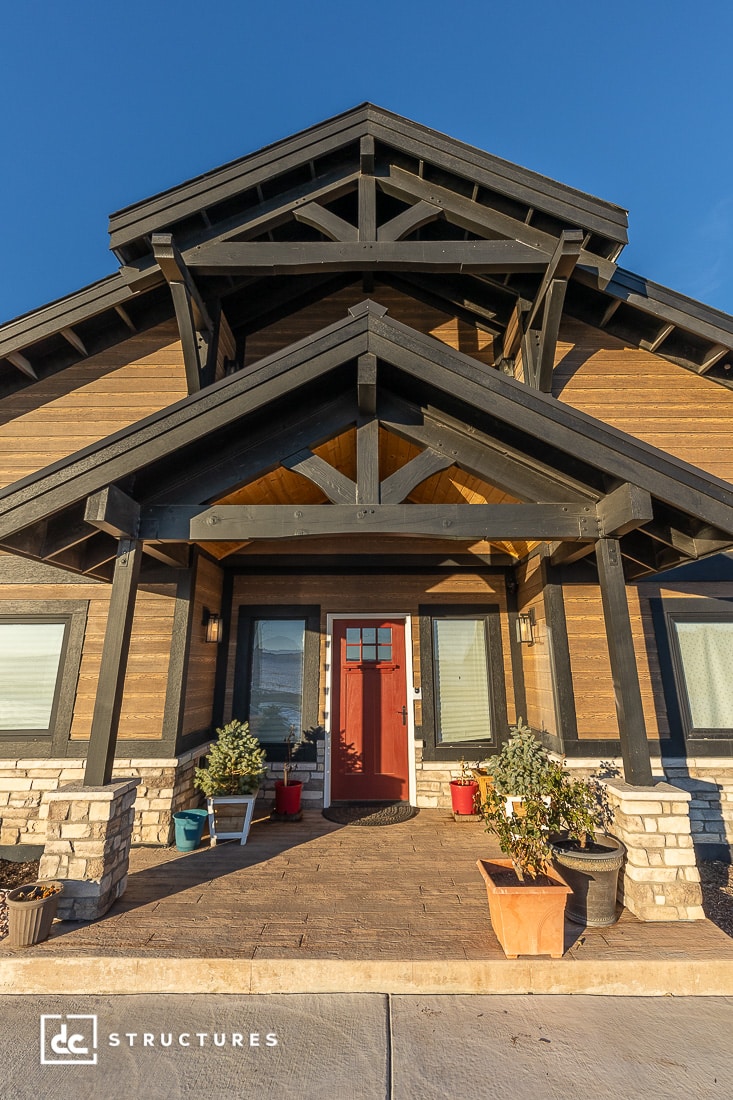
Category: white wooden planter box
[247,801]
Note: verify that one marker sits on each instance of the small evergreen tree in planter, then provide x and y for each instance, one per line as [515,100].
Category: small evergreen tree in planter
[234,770]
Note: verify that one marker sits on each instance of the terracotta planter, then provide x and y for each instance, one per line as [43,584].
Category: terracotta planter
[463,796]
[528,919]
[29,922]
[287,797]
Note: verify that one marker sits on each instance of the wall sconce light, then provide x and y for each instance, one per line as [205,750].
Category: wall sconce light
[525,627]
[214,626]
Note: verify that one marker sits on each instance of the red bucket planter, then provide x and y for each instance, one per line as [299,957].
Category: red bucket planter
[463,796]
[287,797]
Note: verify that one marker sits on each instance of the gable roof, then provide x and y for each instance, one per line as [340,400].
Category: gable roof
[474,196]
[210,442]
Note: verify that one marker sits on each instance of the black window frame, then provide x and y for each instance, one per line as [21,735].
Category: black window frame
[247,616]
[73,614]
[455,750]
[684,736]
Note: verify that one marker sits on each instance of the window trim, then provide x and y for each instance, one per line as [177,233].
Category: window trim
[679,712]
[73,613]
[455,750]
[247,614]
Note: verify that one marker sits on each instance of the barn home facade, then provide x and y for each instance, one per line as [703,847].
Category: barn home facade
[370,435]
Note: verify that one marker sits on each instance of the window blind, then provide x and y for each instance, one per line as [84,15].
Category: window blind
[30,654]
[706,649]
[462,681]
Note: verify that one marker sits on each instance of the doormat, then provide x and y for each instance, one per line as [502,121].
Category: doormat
[370,813]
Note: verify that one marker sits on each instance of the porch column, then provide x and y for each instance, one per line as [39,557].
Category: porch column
[632,728]
[108,701]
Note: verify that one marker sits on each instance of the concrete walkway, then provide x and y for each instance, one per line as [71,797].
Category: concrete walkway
[316,907]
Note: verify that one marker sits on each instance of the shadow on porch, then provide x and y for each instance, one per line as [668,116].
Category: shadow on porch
[314,890]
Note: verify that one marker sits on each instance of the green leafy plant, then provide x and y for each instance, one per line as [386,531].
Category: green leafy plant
[552,802]
[235,765]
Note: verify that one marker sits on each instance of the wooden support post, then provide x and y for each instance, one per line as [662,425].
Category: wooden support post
[632,728]
[110,684]
[366,384]
[367,462]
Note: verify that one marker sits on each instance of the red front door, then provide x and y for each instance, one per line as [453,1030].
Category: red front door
[369,712]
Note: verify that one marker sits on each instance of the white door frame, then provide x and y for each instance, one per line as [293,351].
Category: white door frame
[409,695]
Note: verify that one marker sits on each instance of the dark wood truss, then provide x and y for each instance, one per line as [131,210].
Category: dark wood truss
[368,195]
[158,481]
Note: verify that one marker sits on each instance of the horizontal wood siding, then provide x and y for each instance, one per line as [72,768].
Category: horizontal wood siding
[644,395]
[61,414]
[370,594]
[199,698]
[147,670]
[536,658]
[433,322]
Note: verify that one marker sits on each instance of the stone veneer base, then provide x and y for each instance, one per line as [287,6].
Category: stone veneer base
[660,880]
[88,834]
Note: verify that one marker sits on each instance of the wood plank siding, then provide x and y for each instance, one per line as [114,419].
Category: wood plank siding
[82,404]
[299,326]
[199,696]
[355,594]
[146,680]
[536,658]
[640,393]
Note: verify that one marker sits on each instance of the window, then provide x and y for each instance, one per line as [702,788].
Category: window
[464,700]
[696,654]
[276,672]
[30,663]
[40,653]
[276,685]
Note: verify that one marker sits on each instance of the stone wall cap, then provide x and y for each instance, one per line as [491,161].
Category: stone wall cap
[94,794]
[656,792]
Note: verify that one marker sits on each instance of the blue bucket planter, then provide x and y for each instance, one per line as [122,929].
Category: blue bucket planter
[189,825]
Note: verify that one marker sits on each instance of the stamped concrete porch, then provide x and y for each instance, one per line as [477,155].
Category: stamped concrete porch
[317,907]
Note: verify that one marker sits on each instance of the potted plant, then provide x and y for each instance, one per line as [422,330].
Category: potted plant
[526,893]
[231,778]
[589,859]
[287,789]
[31,909]
[463,791]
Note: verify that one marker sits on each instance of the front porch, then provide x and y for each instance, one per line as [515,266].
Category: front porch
[314,906]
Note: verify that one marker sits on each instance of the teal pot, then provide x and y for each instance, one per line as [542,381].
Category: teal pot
[592,875]
[29,922]
[189,826]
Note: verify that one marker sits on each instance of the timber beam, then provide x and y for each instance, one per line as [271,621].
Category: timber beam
[537,333]
[326,222]
[195,326]
[238,523]
[113,511]
[283,258]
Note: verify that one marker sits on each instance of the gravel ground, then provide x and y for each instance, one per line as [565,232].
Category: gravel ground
[717,890]
[717,894]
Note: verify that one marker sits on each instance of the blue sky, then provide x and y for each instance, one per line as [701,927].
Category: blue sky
[106,104]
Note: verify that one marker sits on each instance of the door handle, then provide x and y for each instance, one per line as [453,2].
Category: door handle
[403,712]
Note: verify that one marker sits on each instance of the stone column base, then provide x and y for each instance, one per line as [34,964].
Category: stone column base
[660,881]
[88,834]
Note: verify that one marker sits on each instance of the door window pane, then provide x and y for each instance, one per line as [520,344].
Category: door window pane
[706,650]
[30,655]
[276,696]
[462,680]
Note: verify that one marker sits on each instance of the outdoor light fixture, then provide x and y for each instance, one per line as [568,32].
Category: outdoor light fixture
[525,627]
[214,625]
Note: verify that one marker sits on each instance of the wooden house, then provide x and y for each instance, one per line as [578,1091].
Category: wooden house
[370,436]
